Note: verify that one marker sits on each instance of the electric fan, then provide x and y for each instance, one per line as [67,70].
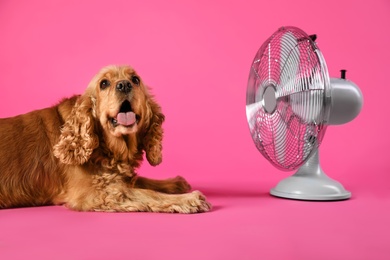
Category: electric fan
[290,100]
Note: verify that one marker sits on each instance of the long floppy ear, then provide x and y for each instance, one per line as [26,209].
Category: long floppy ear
[78,139]
[152,140]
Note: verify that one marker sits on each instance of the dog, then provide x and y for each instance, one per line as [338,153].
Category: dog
[84,152]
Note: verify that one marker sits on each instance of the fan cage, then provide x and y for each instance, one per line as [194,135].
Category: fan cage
[291,63]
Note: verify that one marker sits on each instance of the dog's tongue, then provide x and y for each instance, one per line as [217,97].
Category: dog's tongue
[126,119]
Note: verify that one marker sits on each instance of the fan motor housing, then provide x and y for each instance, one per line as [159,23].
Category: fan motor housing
[347,101]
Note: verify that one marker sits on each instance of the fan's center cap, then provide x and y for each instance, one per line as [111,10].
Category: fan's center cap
[269,99]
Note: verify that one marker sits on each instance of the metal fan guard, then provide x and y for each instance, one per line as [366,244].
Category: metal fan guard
[288,98]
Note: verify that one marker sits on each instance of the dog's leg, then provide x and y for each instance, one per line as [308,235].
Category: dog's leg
[115,193]
[115,199]
[177,185]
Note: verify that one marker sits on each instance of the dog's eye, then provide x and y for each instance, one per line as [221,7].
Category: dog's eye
[135,80]
[104,84]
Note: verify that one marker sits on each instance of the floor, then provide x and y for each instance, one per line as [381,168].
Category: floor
[245,223]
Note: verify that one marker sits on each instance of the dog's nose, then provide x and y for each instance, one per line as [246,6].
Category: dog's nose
[124,86]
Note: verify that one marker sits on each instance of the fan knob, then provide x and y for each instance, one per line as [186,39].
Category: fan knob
[343,73]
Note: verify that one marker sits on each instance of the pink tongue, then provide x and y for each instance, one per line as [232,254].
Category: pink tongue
[126,119]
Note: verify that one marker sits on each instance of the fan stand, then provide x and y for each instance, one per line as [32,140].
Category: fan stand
[310,183]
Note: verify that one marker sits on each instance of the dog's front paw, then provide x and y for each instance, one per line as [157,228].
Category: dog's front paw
[200,201]
[194,202]
[178,185]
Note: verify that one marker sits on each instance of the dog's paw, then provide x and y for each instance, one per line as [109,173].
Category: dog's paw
[194,202]
[200,201]
[178,185]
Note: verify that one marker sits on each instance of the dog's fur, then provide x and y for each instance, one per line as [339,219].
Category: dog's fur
[76,153]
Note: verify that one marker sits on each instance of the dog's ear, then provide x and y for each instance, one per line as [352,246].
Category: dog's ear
[78,139]
[152,140]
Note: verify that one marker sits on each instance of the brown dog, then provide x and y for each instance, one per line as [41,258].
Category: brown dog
[84,151]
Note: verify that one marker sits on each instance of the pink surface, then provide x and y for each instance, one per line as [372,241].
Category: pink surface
[196,56]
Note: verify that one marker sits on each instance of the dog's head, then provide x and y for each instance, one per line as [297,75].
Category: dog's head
[118,103]
[122,101]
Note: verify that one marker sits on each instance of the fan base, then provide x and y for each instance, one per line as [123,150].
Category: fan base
[311,183]
[299,188]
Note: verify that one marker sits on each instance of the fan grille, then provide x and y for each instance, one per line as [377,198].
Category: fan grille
[288,98]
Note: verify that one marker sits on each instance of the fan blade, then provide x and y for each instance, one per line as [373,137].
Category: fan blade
[302,85]
[251,111]
[289,65]
[307,105]
[300,79]
[280,134]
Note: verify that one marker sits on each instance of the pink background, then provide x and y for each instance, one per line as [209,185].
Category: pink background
[196,56]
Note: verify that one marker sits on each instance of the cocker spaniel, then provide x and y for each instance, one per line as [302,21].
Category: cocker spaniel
[84,152]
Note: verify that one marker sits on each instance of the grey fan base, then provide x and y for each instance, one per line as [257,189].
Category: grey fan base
[310,183]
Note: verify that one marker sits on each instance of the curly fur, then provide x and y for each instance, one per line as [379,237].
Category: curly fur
[78,138]
[78,153]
